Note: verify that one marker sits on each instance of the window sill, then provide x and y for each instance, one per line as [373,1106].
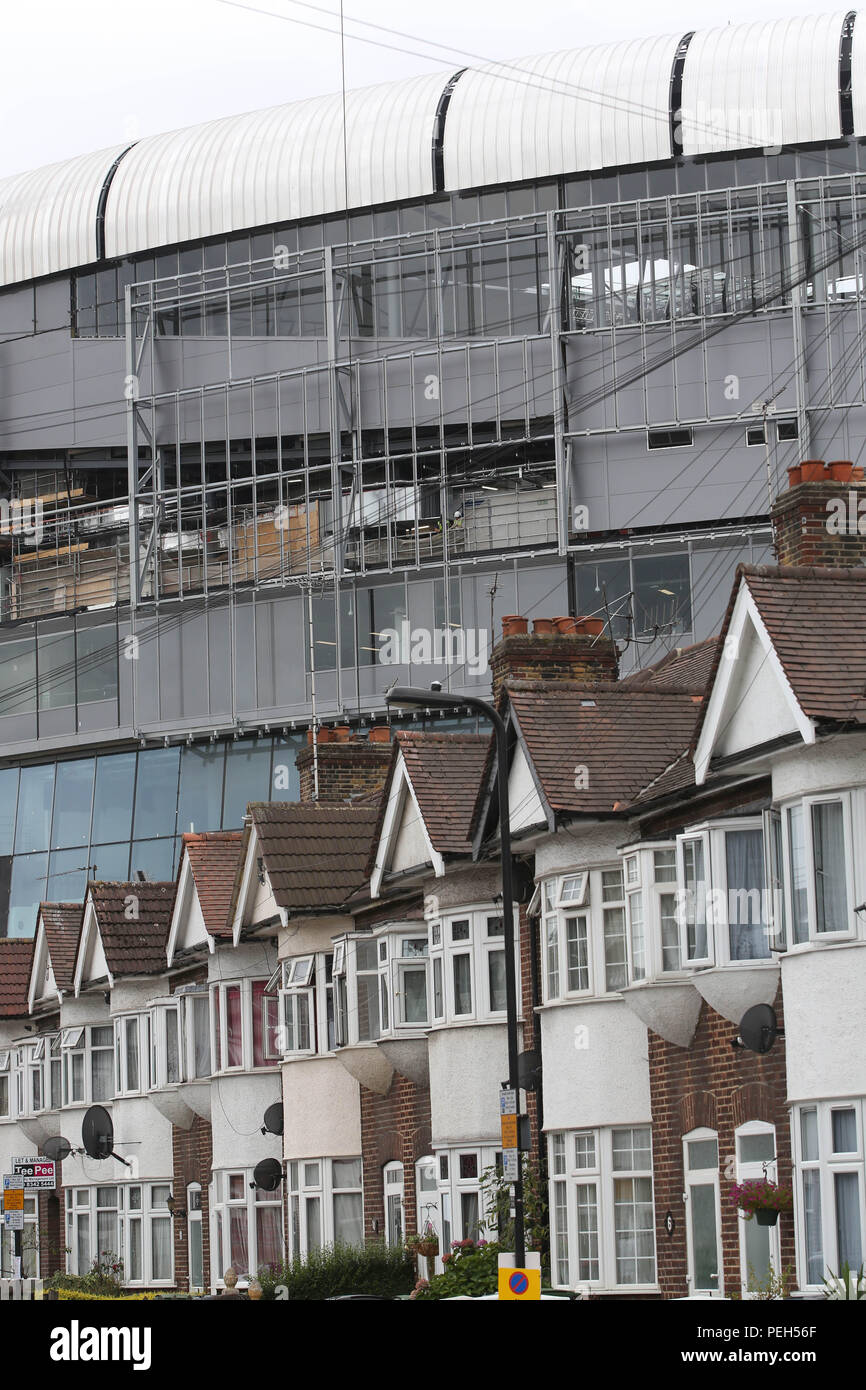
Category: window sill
[825,942]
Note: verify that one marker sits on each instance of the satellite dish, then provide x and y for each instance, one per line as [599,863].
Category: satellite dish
[273,1121]
[57,1148]
[97,1133]
[268,1174]
[759,1028]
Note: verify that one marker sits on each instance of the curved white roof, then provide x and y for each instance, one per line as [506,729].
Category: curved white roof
[275,166]
[590,108]
[759,85]
[744,86]
[48,217]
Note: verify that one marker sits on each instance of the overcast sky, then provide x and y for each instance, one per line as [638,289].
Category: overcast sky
[80,75]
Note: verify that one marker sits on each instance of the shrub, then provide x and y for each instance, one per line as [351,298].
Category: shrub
[341,1269]
[471,1269]
[104,1278]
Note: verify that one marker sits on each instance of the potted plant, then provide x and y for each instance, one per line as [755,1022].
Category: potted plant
[762,1199]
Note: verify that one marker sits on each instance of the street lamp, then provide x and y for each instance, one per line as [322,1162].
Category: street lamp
[408,696]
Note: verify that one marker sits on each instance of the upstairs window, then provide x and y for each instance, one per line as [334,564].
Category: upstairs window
[817,852]
[307,1004]
[467,961]
[381,984]
[246,1018]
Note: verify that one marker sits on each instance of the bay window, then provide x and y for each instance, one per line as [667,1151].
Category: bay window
[306,1003]
[35,1066]
[830,1196]
[88,1057]
[325,1203]
[467,963]
[592,931]
[247,1223]
[245,1017]
[817,853]
[601,1205]
[127,1224]
[381,984]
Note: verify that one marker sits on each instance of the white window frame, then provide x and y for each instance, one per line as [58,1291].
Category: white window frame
[581,1160]
[478,945]
[828,1165]
[219,1027]
[748,1171]
[78,1042]
[82,1201]
[303,1187]
[121,1059]
[194,1230]
[703,1177]
[805,804]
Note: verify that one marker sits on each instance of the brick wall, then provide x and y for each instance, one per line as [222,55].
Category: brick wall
[801,535]
[192,1155]
[394,1128]
[351,767]
[712,1085]
[50,1214]
[531,657]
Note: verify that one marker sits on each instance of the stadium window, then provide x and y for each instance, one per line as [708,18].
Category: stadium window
[669,439]
[787,429]
[756,434]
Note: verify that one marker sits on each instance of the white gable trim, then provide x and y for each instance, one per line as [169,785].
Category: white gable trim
[401,788]
[90,946]
[179,936]
[41,956]
[250,889]
[745,611]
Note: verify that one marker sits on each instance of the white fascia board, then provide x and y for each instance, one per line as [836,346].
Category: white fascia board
[745,610]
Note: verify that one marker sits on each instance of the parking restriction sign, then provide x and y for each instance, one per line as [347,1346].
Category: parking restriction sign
[521,1285]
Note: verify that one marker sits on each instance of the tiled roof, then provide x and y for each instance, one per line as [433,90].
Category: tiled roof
[686,669]
[315,853]
[214,858]
[816,620]
[623,737]
[133,945]
[62,923]
[445,771]
[15,961]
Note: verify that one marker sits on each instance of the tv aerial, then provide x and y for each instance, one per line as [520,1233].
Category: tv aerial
[273,1119]
[759,1029]
[268,1174]
[97,1135]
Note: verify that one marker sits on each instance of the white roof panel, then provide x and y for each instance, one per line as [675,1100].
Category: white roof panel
[754,86]
[48,216]
[276,165]
[587,108]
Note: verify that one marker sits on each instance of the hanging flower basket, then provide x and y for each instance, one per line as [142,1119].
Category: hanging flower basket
[425,1243]
[762,1199]
[766,1216]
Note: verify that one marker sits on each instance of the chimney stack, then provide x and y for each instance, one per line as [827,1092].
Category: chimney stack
[348,767]
[557,649]
[821,519]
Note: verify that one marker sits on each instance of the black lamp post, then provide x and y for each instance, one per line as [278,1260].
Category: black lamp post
[406,696]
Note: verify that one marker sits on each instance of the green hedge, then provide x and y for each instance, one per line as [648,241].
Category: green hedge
[341,1269]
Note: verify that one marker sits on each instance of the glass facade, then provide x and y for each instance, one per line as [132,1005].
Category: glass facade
[114,814]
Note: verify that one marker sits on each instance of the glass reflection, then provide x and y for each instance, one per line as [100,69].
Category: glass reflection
[29,873]
[73,795]
[34,808]
[248,769]
[8,807]
[155,858]
[201,787]
[156,793]
[112,804]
